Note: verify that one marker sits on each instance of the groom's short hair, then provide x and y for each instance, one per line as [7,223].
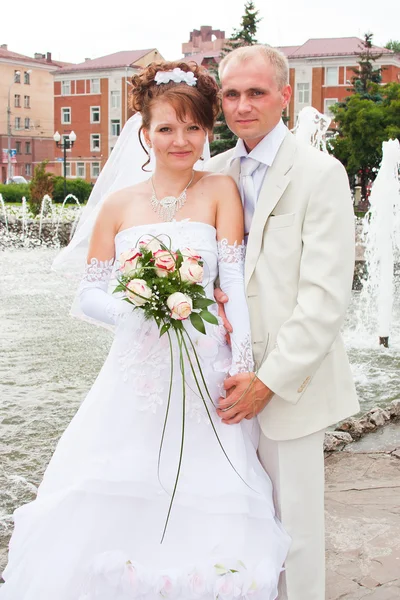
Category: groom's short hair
[274,56]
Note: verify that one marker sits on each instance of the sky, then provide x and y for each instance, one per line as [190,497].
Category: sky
[79,29]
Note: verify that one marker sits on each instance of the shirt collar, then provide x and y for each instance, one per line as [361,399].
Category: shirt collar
[267,149]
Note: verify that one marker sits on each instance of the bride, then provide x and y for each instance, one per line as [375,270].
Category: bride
[95,530]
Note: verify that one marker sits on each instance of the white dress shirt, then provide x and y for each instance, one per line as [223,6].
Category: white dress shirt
[265,153]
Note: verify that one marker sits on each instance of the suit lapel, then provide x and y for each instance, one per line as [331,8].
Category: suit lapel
[275,183]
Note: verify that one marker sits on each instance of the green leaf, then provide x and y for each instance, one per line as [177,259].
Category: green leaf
[220,569]
[207,316]
[165,328]
[197,322]
[202,303]
[120,288]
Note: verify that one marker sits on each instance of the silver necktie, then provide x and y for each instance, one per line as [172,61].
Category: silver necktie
[247,168]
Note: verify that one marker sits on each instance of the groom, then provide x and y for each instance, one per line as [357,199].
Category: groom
[299,269]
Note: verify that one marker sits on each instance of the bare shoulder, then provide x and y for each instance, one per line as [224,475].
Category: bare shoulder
[219,183]
[124,195]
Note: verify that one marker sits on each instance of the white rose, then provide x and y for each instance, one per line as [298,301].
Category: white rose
[228,586]
[164,262]
[191,271]
[128,261]
[190,253]
[149,243]
[180,306]
[137,288]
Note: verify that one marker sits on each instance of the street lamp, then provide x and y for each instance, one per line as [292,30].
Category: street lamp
[65,144]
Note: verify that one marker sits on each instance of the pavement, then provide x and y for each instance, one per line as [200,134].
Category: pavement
[363,518]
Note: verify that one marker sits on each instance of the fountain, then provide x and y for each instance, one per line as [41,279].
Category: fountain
[381,237]
[68,197]
[53,226]
[3,207]
[311,127]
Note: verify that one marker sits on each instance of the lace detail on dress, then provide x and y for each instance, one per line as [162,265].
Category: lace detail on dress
[98,270]
[231,253]
[243,357]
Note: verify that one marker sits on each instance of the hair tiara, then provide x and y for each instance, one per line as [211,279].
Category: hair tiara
[177,75]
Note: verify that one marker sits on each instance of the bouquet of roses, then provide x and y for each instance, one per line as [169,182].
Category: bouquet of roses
[165,284]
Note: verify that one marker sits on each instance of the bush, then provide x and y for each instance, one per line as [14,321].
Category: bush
[41,184]
[14,192]
[78,187]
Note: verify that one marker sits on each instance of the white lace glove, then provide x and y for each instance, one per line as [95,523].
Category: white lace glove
[231,278]
[94,299]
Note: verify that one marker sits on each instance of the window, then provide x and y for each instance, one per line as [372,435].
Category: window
[65,116]
[65,141]
[327,104]
[94,170]
[27,77]
[27,123]
[17,122]
[116,99]
[80,170]
[303,93]
[115,127]
[27,148]
[17,77]
[67,169]
[65,88]
[332,76]
[18,147]
[95,86]
[17,100]
[28,169]
[95,114]
[95,142]
[27,101]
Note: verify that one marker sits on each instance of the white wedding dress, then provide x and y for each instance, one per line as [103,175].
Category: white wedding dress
[94,531]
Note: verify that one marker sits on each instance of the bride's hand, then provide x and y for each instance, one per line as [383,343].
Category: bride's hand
[246,397]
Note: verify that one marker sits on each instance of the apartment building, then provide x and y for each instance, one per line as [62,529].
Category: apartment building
[91,99]
[26,111]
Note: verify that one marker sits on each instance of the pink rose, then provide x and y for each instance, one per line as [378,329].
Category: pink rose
[197,584]
[180,306]
[191,271]
[128,261]
[227,587]
[164,261]
[168,587]
[149,243]
[137,288]
[190,253]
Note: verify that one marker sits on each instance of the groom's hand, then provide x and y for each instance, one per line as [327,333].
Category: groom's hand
[246,397]
[222,299]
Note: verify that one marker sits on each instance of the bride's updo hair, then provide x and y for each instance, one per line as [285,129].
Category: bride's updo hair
[200,102]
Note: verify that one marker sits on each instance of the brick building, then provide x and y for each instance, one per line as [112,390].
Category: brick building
[91,99]
[321,70]
[26,103]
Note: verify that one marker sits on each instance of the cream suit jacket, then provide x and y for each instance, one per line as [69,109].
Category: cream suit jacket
[298,274]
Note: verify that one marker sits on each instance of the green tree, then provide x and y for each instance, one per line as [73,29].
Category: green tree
[244,36]
[393,45]
[358,143]
[363,125]
[367,77]
[42,183]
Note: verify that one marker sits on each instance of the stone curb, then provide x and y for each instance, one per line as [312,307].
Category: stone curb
[353,429]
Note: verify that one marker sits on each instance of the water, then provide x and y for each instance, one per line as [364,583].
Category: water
[46,370]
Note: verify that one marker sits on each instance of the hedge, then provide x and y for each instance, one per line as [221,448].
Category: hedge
[78,187]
